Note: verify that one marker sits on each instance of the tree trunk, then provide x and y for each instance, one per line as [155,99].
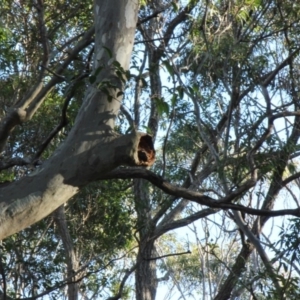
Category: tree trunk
[145,275]
[92,147]
[235,273]
[70,253]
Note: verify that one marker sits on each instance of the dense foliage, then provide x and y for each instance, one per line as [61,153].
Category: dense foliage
[216,83]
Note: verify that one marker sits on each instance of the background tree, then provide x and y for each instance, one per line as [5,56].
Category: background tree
[214,84]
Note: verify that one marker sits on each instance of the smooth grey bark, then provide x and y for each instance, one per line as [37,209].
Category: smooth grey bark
[72,262]
[92,147]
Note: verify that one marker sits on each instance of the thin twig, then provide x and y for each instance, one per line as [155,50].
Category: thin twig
[167,255]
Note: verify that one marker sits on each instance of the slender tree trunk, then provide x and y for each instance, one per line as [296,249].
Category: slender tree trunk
[145,273]
[70,253]
[235,273]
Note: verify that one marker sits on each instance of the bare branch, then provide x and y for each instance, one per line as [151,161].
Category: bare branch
[122,284]
[148,18]
[199,198]
[35,98]
[63,121]
[168,255]
[255,241]
[183,15]
[161,229]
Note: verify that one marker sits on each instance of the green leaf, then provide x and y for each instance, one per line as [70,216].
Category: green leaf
[162,106]
[98,70]
[180,91]
[128,74]
[147,129]
[174,99]
[175,6]
[170,69]
[92,79]
[117,64]
[120,93]
[109,53]
[121,76]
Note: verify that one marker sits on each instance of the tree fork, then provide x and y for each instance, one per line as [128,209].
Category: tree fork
[32,198]
[92,147]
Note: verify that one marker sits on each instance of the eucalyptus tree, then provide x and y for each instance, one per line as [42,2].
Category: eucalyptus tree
[213,83]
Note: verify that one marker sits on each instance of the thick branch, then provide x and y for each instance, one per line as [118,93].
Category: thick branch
[197,197]
[32,198]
